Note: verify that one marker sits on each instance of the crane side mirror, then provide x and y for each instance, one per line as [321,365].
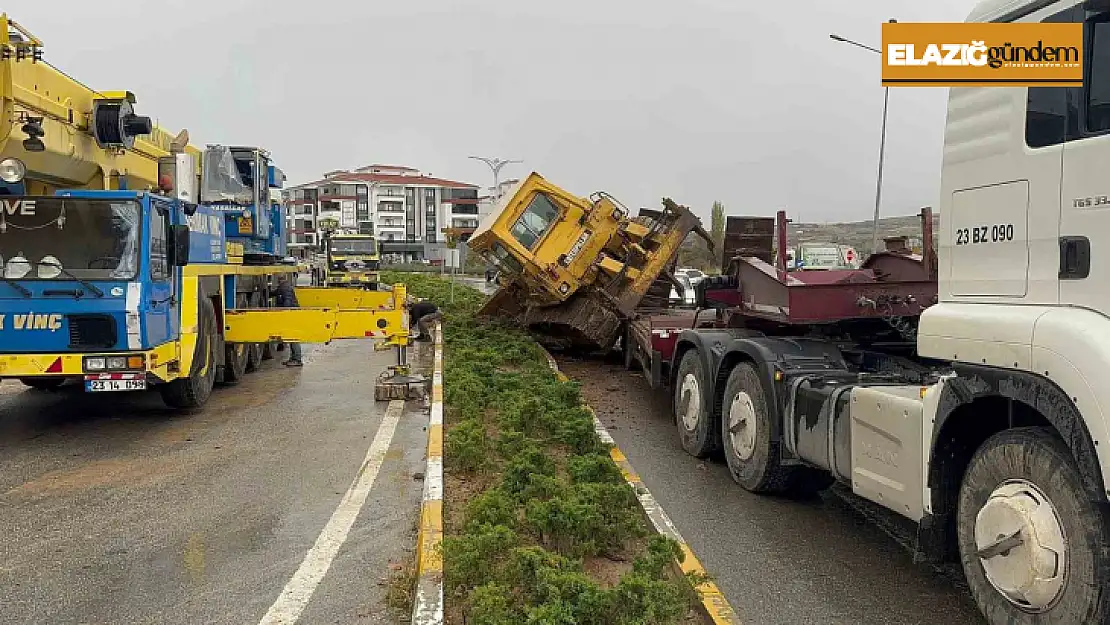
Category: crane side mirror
[179,245]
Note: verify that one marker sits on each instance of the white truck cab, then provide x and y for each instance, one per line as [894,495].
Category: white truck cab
[1024,316]
[989,424]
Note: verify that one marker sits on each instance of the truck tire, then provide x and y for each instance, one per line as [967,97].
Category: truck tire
[754,460]
[43,384]
[256,350]
[192,393]
[1022,487]
[235,363]
[628,348]
[692,407]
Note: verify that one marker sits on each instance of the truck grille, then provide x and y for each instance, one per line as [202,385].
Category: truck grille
[96,331]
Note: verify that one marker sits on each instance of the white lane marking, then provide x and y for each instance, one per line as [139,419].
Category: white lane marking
[296,594]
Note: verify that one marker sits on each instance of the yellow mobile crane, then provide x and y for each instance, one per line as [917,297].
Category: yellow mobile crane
[131,260]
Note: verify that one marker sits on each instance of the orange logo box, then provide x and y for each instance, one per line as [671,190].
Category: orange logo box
[982,55]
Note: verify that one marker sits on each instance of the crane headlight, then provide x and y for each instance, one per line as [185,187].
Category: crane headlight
[12,170]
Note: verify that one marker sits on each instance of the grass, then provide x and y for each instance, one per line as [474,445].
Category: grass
[540,526]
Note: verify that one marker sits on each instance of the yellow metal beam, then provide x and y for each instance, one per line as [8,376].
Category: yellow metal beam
[313,325]
[345,299]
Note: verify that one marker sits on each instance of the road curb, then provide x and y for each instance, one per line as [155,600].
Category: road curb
[714,605]
[427,608]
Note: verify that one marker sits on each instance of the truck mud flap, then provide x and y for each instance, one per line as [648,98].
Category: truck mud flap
[312,325]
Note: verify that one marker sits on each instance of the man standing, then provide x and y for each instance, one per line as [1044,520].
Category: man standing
[287,298]
[423,314]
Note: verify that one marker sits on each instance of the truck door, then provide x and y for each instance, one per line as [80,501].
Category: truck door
[1085,201]
[160,304]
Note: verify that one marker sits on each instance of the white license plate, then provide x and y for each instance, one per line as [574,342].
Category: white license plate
[99,386]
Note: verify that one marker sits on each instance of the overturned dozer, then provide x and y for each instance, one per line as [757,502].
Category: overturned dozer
[572,270]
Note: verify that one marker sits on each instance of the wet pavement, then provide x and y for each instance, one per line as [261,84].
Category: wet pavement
[118,511]
[779,561]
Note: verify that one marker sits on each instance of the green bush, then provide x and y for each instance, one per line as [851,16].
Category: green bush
[556,497]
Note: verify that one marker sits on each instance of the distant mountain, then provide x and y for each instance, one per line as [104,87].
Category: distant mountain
[858,233]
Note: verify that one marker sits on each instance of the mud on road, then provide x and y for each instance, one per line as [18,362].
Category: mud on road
[828,559]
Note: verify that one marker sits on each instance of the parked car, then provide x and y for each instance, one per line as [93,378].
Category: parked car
[687,298]
[694,275]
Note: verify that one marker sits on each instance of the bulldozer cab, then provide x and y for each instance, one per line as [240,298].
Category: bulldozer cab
[545,237]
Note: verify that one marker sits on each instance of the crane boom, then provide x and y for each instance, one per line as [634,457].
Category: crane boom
[90,139]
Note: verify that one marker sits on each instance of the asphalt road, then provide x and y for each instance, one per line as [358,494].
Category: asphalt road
[116,511]
[778,561]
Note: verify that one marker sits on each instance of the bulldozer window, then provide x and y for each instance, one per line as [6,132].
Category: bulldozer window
[535,221]
[505,261]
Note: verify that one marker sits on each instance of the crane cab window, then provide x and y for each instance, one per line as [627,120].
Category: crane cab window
[535,221]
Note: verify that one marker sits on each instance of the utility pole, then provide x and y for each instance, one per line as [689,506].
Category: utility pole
[495,165]
[882,143]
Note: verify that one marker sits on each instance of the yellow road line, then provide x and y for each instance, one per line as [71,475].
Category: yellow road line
[427,609]
[714,605]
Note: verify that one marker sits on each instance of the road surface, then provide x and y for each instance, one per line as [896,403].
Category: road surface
[778,561]
[116,511]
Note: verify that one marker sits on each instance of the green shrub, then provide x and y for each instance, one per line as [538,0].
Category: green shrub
[556,495]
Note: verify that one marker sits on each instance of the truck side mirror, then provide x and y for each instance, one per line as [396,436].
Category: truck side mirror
[179,236]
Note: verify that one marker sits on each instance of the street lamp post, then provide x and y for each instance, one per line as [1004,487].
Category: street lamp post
[882,144]
[495,165]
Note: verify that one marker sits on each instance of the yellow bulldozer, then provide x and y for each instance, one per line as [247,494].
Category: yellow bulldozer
[573,270]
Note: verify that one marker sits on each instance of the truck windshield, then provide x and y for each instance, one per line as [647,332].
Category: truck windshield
[353,246]
[539,215]
[64,238]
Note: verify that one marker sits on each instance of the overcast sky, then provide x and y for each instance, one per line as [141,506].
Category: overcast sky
[745,102]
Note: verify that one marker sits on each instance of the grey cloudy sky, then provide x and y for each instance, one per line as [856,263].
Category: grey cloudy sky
[745,102]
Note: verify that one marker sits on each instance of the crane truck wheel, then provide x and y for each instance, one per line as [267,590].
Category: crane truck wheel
[255,351]
[235,363]
[692,414]
[1034,547]
[192,392]
[753,458]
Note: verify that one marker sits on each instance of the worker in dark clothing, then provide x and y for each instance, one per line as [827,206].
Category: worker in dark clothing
[422,315]
[287,298]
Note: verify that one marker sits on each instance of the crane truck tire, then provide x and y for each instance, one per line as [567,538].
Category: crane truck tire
[43,384]
[754,459]
[1034,547]
[192,392]
[692,408]
[235,363]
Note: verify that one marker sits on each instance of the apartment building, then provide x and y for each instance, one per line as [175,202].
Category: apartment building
[410,212]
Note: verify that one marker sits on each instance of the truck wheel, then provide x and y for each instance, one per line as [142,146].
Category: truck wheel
[43,384]
[692,407]
[235,363]
[1033,546]
[192,392]
[753,458]
[255,350]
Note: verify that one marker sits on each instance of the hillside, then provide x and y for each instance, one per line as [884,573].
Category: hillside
[858,233]
[854,233]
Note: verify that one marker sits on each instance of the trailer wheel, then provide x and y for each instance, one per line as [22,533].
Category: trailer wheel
[43,384]
[692,407]
[256,350]
[753,459]
[192,392]
[1034,547]
[628,348]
